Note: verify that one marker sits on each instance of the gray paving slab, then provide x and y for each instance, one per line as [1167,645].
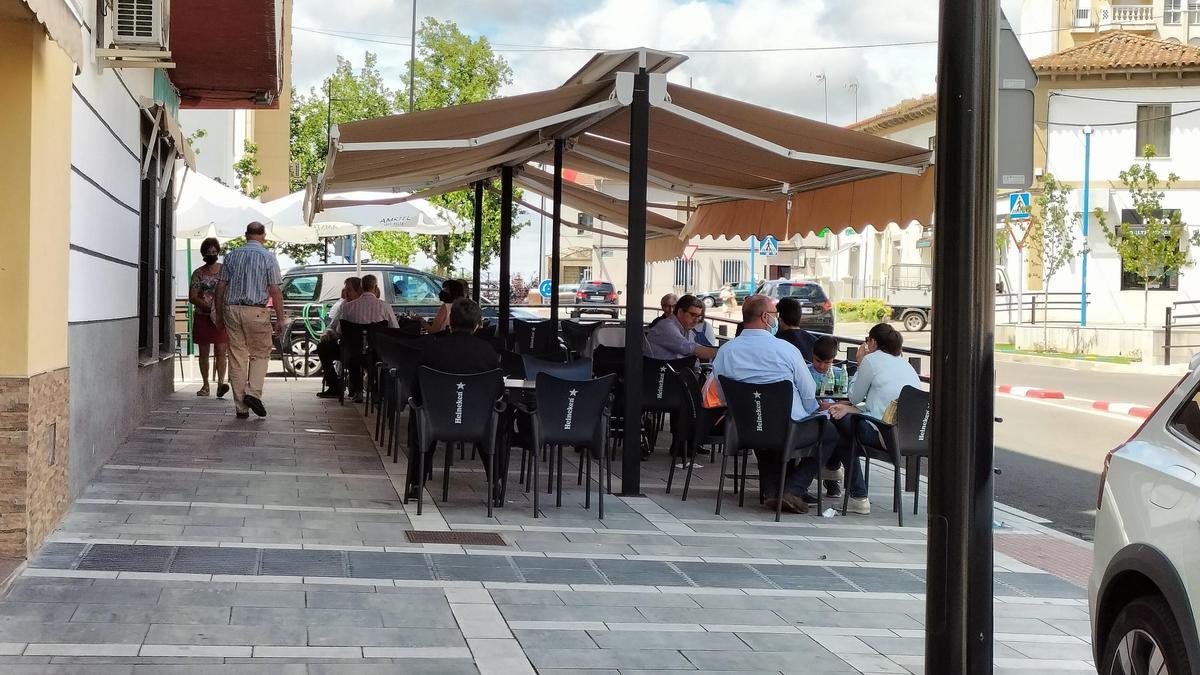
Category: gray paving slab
[249,597]
[654,659]
[805,661]
[328,635]
[81,633]
[651,639]
[571,613]
[555,639]
[158,614]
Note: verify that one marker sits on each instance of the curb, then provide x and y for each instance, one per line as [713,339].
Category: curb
[1131,409]
[1029,392]
[1093,366]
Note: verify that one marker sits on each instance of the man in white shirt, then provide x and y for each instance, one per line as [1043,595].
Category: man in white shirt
[368,308]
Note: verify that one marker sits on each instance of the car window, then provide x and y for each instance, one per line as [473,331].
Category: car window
[301,288]
[414,289]
[802,292]
[1187,420]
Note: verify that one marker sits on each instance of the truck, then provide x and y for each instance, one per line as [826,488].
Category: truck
[909,292]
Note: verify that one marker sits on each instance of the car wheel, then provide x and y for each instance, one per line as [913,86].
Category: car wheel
[913,321]
[709,301]
[301,359]
[1145,639]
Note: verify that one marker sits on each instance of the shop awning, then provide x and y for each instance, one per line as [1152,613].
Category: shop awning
[63,25]
[165,125]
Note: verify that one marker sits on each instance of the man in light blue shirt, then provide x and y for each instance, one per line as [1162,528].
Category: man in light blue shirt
[758,357]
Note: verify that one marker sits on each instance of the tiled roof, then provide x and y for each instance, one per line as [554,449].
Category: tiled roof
[1120,51]
[905,111]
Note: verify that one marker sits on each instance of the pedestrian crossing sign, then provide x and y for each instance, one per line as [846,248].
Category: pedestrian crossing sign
[1018,205]
[768,246]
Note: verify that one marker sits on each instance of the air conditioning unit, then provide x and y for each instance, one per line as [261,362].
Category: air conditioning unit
[139,23]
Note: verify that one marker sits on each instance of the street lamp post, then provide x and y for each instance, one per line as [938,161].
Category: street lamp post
[1087,162]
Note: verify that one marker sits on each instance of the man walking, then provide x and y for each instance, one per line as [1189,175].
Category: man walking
[249,278]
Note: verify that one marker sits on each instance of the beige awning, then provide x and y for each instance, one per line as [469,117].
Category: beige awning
[876,202]
[63,25]
[167,125]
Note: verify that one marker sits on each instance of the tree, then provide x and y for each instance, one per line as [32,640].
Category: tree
[390,247]
[246,169]
[195,136]
[1156,247]
[1053,235]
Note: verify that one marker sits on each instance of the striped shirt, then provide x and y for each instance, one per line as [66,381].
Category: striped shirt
[367,309]
[247,272]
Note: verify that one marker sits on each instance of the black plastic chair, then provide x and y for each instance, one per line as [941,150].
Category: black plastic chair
[400,359]
[760,418]
[574,413]
[353,341]
[534,337]
[574,370]
[576,335]
[661,394]
[698,426]
[891,443]
[458,409]
[513,364]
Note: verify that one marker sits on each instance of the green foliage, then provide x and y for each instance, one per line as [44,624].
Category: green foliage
[870,310]
[452,69]
[297,252]
[390,247]
[1051,231]
[246,169]
[1157,247]
[196,135]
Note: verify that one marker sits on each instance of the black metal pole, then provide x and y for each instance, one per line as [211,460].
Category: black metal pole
[958,606]
[506,177]
[477,243]
[555,228]
[635,282]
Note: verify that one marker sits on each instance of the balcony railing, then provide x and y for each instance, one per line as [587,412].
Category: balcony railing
[1126,15]
[1083,17]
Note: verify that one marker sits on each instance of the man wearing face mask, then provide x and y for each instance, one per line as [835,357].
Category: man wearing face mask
[758,357]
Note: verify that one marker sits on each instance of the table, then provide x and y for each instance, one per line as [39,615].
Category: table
[511,383]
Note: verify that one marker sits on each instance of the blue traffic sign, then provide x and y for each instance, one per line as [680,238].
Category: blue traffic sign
[768,246]
[1018,205]
[545,289]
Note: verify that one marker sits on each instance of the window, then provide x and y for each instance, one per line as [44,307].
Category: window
[684,272]
[166,256]
[1194,12]
[583,219]
[1171,11]
[1154,129]
[1132,281]
[301,288]
[731,271]
[1083,13]
[156,248]
[802,292]
[932,143]
[148,232]
[1186,421]
[414,289]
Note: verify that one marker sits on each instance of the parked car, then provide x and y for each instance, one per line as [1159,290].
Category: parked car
[816,311]
[713,298]
[566,293]
[592,297]
[1145,584]
[310,290]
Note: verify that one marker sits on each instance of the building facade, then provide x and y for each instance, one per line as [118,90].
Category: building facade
[90,120]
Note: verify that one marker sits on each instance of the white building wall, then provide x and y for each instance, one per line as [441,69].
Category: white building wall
[217,151]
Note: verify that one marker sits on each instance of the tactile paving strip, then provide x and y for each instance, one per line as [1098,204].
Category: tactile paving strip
[210,560]
[126,558]
[459,537]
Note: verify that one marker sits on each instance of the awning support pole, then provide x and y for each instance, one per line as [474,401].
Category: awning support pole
[555,231]
[635,286]
[477,243]
[958,625]
[506,181]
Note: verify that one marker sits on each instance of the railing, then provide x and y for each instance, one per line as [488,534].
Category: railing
[1178,315]
[1038,307]
[1132,14]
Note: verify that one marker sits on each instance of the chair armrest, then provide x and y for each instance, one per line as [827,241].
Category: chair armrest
[500,405]
[874,420]
[412,403]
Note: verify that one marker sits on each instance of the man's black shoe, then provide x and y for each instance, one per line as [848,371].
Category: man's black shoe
[808,498]
[832,488]
[327,394]
[243,416]
[254,404]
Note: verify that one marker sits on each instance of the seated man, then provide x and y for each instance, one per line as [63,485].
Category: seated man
[460,352]
[673,338]
[668,307]
[790,330]
[366,309]
[757,357]
[328,350]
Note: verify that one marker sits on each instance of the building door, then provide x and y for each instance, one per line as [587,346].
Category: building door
[779,271]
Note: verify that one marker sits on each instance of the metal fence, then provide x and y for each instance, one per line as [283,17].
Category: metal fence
[1038,307]
[1185,313]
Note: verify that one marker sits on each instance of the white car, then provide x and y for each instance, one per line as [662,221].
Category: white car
[1144,592]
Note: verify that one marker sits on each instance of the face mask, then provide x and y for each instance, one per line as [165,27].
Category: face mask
[210,259]
[773,327]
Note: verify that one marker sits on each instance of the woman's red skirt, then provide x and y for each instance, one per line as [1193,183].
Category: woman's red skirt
[205,332]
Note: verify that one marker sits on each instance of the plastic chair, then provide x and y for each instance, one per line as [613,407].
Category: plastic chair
[512,363]
[400,359]
[908,437]
[698,426]
[575,370]
[574,413]
[353,342]
[576,335]
[760,418]
[458,409]
[661,394]
[534,337]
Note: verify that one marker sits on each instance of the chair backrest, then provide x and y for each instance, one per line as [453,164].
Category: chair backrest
[533,337]
[572,412]
[575,370]
[402,355]
[487,332]
[762,413]
[354,336]
[695,421]
[660,389]
[512,363]
[577,334]
[408,327]
[608,360]
[912,421]
[460,408]
[606,335]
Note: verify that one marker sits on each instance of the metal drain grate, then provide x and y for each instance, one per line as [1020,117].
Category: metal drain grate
[465,538]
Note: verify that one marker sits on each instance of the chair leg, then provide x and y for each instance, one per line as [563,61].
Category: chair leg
[850,466]
[420,474]
[520,480]
[736,473]
[558,497]
[721,481]
[533,480]
[579,478]
[585,457]
[742,490]
[917,491]
[687,480]
[783,467]
[600,488]
[490,478]
[896,497]
[550,468]
[671,470]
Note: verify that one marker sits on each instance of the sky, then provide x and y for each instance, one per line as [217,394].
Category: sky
[546,41]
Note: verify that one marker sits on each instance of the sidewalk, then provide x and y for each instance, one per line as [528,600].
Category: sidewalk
[212,545]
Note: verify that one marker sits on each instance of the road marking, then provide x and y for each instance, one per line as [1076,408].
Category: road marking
[1061,406]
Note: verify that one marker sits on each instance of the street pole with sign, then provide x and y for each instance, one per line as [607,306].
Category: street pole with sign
[1087,159]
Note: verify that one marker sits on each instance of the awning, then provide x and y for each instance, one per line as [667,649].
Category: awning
[166,125]
[876,202]
[63,25]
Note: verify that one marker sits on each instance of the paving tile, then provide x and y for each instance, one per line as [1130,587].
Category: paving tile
[554,639]
[81,633]
[652,639]
[690,615]
[568,613]
[157,614]
[242,597]
[329,636]
[227,635]
[654,659]
[270,616]
[808,662]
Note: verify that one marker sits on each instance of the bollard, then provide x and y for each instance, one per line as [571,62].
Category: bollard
[1167,339]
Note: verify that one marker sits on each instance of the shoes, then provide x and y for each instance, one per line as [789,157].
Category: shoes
[683,465]
[222,389]
[794,504]
[859,505]
[203,391]
[832,474]
[243,416]
[327,394]
[358,398]
[808,498]
[771,503]
[254,404]
[832,488]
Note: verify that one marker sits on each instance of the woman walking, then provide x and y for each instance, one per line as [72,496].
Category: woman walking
[204,332]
